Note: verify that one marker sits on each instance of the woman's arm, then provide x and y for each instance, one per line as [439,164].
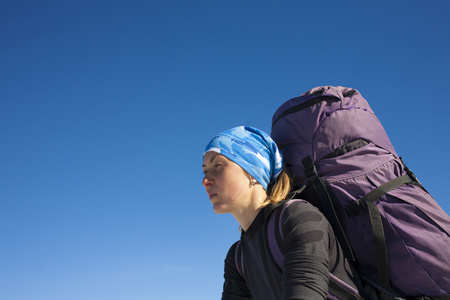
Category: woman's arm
[306,263]
[234,287]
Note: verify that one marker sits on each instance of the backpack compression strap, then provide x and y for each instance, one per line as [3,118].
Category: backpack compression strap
[367,202]
[355,208]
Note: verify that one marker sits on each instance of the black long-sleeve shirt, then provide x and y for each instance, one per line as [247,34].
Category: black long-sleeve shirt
[310,251]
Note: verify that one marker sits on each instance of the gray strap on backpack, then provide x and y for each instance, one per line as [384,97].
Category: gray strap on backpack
[367,202]
[354,209]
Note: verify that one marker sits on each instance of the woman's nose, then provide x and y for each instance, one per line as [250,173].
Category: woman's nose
[207,181]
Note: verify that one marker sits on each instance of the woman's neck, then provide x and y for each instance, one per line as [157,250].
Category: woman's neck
[246,215]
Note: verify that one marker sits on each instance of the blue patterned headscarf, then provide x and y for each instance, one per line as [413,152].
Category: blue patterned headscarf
[252,149]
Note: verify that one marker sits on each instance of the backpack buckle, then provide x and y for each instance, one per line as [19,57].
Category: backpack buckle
[310,168]
[356,208]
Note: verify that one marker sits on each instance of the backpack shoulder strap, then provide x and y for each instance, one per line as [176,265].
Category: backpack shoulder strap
[320,187]
[336,286]
[274,229]
[238,259]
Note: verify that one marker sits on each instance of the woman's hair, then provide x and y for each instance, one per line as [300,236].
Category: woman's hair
[279,189]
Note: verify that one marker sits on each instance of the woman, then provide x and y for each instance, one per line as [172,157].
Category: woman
[244,176]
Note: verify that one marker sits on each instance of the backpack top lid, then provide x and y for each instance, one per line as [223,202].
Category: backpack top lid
[323,119]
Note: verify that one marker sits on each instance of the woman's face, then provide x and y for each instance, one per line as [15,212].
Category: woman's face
[226,183]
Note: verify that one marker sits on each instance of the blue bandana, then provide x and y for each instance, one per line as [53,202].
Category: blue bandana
[252,149]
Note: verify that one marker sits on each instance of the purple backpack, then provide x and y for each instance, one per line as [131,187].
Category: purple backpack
[339,154]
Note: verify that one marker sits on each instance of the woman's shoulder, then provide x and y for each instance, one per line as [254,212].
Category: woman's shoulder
[297,205]
[233,248]
[296,211]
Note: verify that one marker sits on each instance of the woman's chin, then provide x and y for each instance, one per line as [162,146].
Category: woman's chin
[220,209]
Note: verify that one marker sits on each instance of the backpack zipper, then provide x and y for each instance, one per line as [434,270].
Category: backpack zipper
[303,105]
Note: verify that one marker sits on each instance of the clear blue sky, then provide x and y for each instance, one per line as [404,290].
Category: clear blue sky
[106,107]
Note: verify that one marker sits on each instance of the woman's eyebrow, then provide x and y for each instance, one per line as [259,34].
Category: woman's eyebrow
[210,161]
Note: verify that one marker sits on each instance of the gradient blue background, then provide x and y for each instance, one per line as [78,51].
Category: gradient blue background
[106,107]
